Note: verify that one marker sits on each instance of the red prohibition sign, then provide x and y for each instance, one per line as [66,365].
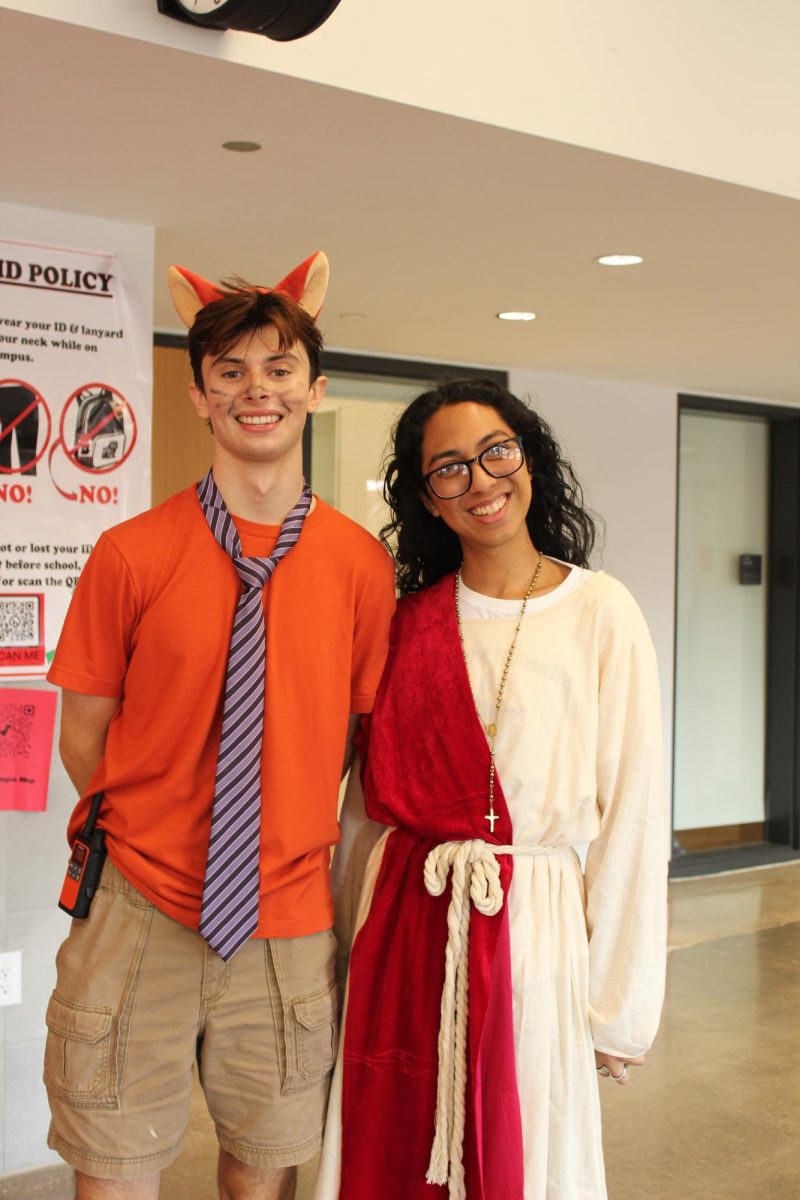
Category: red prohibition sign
[21,417]
[71,448]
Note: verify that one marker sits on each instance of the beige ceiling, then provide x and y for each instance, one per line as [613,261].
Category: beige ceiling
[432,223]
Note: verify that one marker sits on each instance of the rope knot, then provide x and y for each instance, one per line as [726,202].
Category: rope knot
[475,870]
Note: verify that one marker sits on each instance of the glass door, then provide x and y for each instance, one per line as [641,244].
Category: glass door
[721,649]
[350,435]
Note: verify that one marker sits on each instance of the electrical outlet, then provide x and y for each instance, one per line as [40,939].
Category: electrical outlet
[10,978]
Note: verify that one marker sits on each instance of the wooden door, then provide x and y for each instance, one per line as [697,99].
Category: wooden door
[182,442]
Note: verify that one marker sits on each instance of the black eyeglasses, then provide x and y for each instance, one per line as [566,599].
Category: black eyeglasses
[455,478]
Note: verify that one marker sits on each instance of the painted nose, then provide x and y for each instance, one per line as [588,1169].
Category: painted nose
[259,383]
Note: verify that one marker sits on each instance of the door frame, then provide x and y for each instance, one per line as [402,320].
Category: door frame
[782,733]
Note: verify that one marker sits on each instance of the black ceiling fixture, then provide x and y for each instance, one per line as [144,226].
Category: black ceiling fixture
[280,20]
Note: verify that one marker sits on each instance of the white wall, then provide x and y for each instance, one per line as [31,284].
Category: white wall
[622,441]
[33,848]
[709,88]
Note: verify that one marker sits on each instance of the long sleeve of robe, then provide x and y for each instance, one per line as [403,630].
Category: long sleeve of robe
[626,863]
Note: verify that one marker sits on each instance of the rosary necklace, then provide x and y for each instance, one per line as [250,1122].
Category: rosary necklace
[491,726]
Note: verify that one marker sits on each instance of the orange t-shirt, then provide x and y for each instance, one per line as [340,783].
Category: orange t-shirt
[150,622]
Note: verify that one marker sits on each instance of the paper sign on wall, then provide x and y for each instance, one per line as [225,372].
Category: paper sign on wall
[75,404]
[27,720]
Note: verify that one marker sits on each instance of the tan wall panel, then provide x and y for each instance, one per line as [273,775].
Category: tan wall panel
[181,441]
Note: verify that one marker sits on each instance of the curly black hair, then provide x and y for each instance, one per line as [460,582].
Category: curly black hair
[426,549]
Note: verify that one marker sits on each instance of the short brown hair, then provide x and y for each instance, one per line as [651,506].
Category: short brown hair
[243,309]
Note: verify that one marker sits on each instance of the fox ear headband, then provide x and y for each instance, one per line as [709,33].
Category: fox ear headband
[306,285]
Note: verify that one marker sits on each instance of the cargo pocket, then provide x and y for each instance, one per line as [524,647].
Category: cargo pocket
[77,1056]
[90,1011]
[306,1016]
[315,1018]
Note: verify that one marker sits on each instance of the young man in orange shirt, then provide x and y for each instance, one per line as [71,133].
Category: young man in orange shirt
[163,972]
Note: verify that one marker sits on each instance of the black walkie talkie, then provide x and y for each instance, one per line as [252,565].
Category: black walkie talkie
[85,865]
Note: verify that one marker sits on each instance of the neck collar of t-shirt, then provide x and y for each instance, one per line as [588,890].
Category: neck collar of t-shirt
[258,540]
[475,604]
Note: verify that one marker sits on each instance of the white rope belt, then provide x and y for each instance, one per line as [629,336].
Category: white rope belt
[476,876]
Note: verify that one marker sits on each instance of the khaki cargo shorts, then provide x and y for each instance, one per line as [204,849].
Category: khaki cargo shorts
[140,998]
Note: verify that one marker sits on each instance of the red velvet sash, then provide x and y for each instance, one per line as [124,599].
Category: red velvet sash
[426,771]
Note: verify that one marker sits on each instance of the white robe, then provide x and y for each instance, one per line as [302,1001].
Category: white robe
[578,751]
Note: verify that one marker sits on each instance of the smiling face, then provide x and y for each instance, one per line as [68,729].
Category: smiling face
[257,397]
[491,515]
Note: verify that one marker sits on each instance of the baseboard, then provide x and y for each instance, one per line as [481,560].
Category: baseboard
[731,858]
[720,837]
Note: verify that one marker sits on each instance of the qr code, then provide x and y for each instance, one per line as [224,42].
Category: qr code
[19,621]
[16,724]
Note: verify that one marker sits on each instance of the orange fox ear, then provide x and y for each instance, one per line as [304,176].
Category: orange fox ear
[190,293]
[306,285]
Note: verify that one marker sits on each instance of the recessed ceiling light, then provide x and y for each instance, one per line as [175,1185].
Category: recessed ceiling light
[242,147]
[517,316]
[619,260]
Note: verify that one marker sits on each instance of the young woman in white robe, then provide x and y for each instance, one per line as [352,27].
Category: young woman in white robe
[541,673]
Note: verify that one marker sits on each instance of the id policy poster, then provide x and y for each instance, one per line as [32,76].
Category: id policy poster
[75,407]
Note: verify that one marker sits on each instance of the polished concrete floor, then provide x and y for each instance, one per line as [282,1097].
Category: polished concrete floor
[715,1113]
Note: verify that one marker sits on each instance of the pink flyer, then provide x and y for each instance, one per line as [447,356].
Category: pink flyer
[27,720]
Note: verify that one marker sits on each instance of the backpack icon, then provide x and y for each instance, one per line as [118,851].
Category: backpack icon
[99,428]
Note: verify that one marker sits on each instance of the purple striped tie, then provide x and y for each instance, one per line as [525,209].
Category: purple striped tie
[229,912]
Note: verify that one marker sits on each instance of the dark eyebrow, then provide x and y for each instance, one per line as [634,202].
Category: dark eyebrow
[459,454]
[271,358]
